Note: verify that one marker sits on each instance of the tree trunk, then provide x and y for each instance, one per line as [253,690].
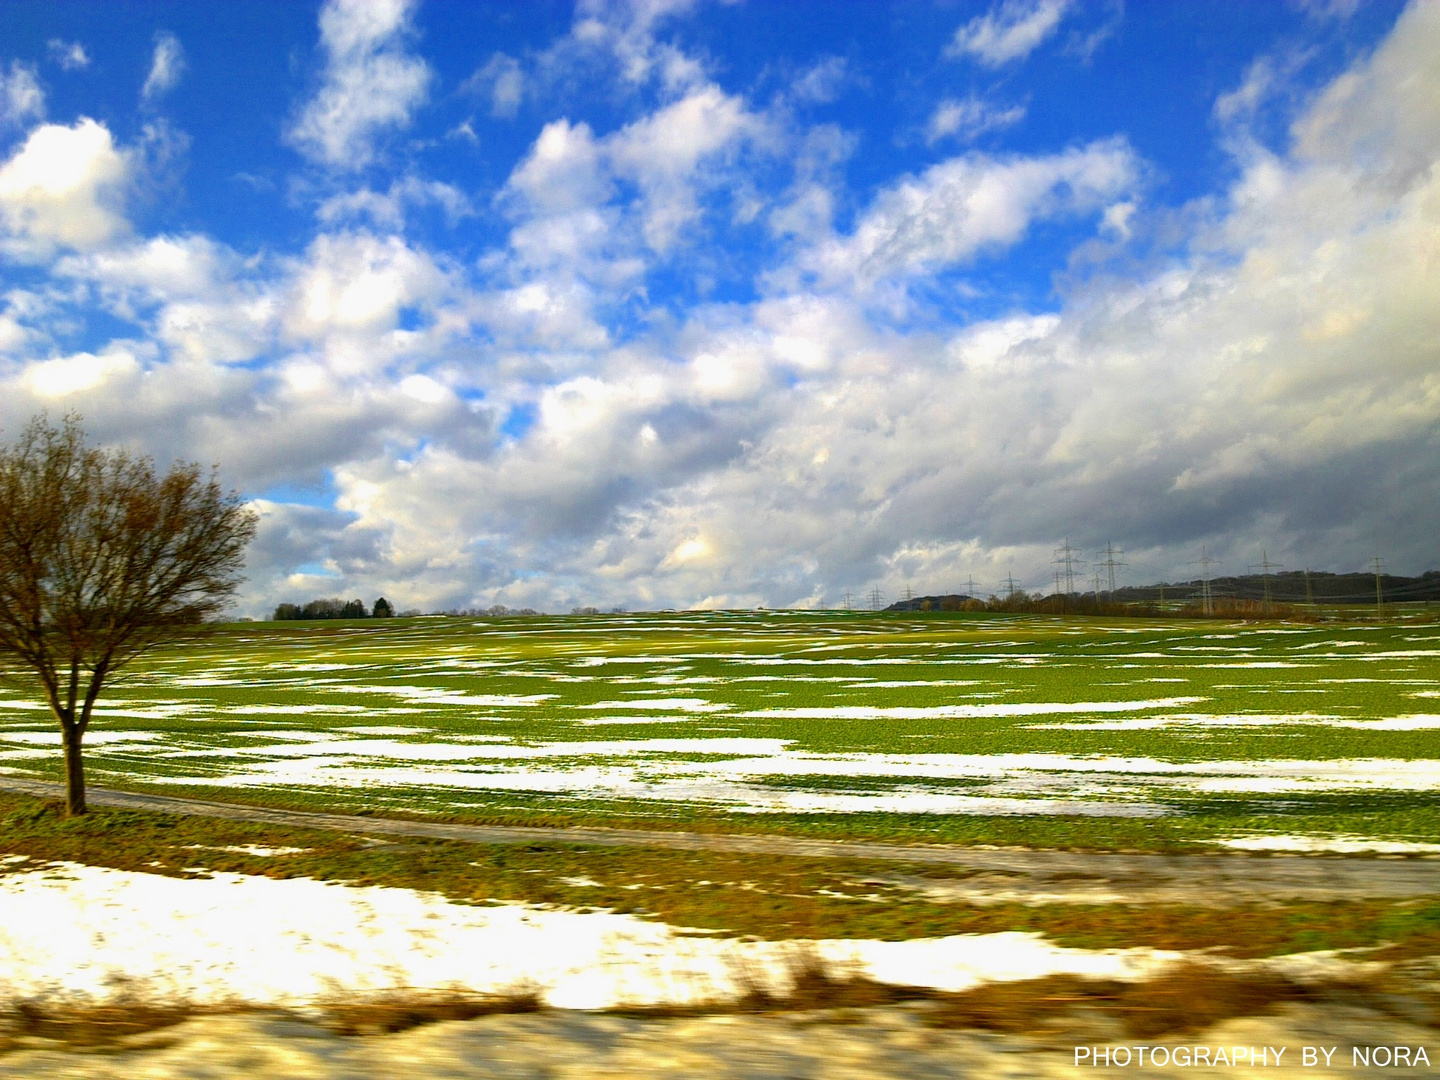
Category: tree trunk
[74,771]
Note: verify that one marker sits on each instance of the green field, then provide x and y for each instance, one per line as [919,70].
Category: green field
[1086,733]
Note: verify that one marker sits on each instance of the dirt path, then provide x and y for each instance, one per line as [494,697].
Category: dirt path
[880,1044]
[1027,876]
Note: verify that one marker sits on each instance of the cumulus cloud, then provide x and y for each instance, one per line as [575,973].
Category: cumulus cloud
[70,55]
[821,82]
[388,209]
[958,208]
[627,32]
[502,81]
[664,151]
[1009,32]
[529,428]
[62,187]
[786,451]
[593,209]
[969,118]
[193,290]
[167,65]
[21,99]
[66,376]
[370,83]
[354,282]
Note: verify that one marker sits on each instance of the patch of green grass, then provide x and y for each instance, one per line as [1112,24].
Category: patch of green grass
[765,896]
[498,722]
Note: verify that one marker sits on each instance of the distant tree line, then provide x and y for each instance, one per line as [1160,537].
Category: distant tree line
[335,608]
[1296,587]
[1023,603]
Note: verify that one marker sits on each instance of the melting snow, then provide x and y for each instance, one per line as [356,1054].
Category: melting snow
[1339,844]
[84,933]
[1026,708]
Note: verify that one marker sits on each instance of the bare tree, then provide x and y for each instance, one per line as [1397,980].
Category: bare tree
[101,559]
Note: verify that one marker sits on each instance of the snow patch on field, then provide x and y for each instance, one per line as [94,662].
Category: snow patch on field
[92,738]
[688,704]
[84,934]
[1409,722]
[1022,708]
[1342,845]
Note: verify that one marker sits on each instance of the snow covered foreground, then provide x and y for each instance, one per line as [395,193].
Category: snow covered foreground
[86,934]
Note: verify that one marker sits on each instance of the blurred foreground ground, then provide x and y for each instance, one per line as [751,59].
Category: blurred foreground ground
[205,953]
[894,1041]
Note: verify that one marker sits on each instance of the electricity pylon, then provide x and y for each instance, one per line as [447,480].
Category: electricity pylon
[1207,603]
[1065,556]
[1110,563]
[1265,566]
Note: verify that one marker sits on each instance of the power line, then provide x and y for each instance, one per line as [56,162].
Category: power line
[1110,563]
[1065,556]
[1379,594]
[1265,567]
[877,598]
[1207,602]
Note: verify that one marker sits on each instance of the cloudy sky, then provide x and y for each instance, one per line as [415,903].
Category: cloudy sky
[673,303]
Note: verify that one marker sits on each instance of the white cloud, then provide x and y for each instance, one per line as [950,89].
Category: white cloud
[625,31]
[1385,113]
[563,170]
[821,83]
[788,449]
[1328,9]
[960,207]
[203,308]
[387,209]
[70,55]
[502,81]
[62,187]
[167,65]
[21,99]
[65,376]
[370,83]
[664,154]
[464,130]
[590,213]
[1273,371]
[1009,32]
[968,119]
[358,282]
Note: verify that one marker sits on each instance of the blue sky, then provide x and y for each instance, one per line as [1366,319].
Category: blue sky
[672,303]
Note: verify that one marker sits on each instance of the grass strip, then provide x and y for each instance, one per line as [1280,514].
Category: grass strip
[772,897]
